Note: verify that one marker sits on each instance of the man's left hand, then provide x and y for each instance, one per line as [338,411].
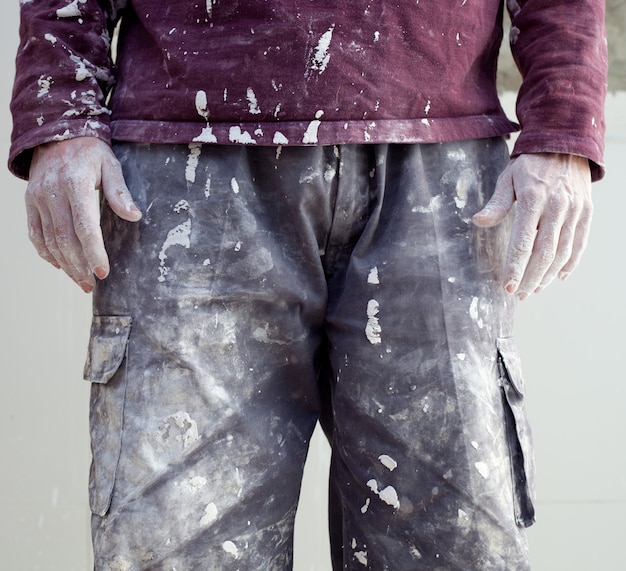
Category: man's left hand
[552,193]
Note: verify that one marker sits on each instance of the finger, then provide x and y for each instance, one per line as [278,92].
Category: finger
[85,212]
[64,244]
[543,256]
[35,234]
[521,243]
[581,239]
[500,204]
[49,239]
[562,255]
[116,192]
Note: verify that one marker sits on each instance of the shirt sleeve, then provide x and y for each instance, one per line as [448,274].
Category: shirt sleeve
[63,74]
[560,49]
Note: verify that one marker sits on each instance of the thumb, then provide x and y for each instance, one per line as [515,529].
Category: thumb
[500,203]
[116,192]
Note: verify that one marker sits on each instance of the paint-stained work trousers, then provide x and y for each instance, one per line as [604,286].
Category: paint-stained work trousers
[266,288]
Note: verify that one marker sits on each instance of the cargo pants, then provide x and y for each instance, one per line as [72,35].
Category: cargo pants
[268,288]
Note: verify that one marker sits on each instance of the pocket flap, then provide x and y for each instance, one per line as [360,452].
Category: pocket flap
[107,347]
[511,362]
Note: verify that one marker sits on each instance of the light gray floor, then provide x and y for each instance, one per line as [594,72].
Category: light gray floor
[571,337]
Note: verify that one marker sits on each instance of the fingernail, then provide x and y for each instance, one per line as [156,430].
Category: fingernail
[522,296]
[539,289]
[511,287]
[132,208]
[86,287]
[100,272]
[564,275]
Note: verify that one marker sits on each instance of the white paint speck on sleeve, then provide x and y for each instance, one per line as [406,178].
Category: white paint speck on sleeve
[321,57]
[310,135]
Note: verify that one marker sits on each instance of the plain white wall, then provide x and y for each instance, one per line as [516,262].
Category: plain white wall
[571,337]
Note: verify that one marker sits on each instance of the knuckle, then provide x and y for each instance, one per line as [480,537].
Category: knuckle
[63,241]
[546,256]
[84,231]
[559,201]
[37,240]
[532,197]
[522,246]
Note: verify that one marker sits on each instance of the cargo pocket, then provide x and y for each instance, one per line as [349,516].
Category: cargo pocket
[518,432]
[103,368]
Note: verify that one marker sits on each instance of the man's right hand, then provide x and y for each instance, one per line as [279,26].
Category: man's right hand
[62,205]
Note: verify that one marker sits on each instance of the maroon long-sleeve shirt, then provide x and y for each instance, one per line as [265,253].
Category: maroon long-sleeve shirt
[298,72]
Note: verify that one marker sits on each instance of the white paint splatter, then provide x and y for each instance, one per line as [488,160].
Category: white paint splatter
[388,462]
[178,236]
[184,422]
[262,334]
[44,83]
[427,108]
[372,277]
[365,506]
[310,135]
[202,107]
[234,185]
[202,104]
[473,310]
[483,469]
[192,162]
[230,548]
[463,187]
[361,557]
[376,36]
[196,483]
[210,514]
[329,173]
[63,136]
[321,57]
[280,139]
[236,135]
[206,136]
[209,7]
[433,206]
[461,356]
[52,39]
[373,329]
[119,564]
[72,10]
[180,206]
[474,444]
[308,176]
[253,105]
[387,495]
[82,71]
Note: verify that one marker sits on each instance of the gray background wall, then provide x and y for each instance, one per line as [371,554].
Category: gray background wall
[571,338]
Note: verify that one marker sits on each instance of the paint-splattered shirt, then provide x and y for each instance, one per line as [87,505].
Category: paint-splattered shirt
[299,72]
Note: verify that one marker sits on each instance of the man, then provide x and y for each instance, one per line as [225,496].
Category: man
[317,226]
